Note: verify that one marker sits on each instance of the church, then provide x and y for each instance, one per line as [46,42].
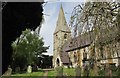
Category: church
[82,49]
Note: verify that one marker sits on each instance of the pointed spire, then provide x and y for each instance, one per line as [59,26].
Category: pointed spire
[61,22]
[61,13]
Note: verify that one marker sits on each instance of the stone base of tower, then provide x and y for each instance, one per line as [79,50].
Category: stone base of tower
[57,61]
[61,34]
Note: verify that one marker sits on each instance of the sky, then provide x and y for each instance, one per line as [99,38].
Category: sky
[51,11]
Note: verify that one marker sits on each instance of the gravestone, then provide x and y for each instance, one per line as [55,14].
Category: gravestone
[34,67]
[8,72]
[59,70]
[86,70]
[108,70]
[77,70]
[29,69]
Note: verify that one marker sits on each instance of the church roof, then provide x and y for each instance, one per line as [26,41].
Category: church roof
[87,38]
[61,22]
[79,42]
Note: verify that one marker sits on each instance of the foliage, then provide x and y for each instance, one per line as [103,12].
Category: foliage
[118,71]
[46,61]
[26,49]
[101,72]
[102,18]
[92,16]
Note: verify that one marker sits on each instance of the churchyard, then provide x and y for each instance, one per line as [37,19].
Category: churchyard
[94,51]
[50,72]
[64,72]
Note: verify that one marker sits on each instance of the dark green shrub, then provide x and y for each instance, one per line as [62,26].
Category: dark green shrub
[17,70]
[118,71]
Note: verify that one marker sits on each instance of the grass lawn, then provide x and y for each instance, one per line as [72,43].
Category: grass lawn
[30,74]
[66,71]
[51,73]
[38,73]
[69,71]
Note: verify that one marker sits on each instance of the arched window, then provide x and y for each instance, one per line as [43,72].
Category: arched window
[58,62]
[75,57]
[56,35]
[65,36]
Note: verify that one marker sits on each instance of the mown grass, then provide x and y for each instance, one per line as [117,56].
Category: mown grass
[51,73]
[66,72]
[30,74]
[69,71]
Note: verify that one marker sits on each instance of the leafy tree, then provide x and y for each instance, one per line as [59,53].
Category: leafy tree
[26,49]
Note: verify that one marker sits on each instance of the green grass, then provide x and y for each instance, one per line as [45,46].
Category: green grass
[66,71]
[51,73]
[69,71]
[29,74]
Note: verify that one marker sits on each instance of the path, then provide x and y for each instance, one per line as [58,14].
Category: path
[46,72]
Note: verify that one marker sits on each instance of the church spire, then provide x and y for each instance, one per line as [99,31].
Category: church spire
[61,22]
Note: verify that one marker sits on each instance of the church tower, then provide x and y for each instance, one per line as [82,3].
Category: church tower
[61,34]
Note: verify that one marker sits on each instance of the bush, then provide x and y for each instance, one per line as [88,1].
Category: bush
[35,67]
[118,71]
[17,70]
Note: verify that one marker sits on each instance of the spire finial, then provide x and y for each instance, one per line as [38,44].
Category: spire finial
[61,22]
[61,7]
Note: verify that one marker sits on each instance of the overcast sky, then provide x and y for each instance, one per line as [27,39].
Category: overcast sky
[51,11]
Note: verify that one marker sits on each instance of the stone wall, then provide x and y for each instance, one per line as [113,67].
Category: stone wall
[109,53]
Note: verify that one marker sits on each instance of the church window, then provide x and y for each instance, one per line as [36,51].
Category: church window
[101,52]
[75,57]
[58,62]
[84,50]
[65,36]
[84,55]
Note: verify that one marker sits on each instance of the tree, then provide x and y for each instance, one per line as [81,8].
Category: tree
[16,17]
[26,49]
[101,21]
